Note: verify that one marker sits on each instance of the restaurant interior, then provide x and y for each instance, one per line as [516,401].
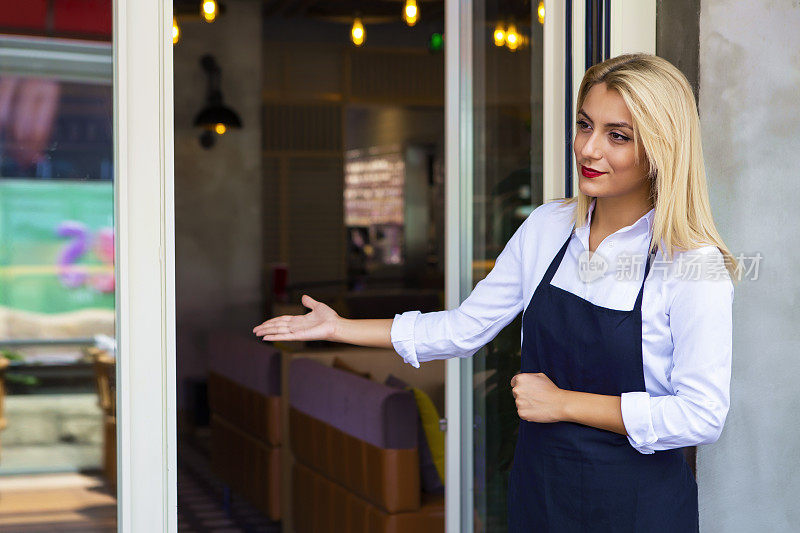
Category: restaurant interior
[308,159]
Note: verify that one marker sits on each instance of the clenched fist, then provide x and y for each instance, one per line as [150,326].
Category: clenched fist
[538,399]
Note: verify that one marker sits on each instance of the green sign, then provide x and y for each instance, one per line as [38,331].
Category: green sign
[56,245]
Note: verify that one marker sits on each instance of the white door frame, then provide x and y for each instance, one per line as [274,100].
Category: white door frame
[633,24]
[145,266]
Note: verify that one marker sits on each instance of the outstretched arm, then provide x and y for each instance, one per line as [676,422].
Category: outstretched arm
[364,332]
[460,332]
[323,323]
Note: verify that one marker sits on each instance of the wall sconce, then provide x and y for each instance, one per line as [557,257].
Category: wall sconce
[215,118]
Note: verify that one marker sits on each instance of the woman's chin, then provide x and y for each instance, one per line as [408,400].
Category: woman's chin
[589,187]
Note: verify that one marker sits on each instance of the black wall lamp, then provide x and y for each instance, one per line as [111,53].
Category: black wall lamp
[215,118]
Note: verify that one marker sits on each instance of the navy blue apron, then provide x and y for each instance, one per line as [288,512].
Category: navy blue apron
[569,477]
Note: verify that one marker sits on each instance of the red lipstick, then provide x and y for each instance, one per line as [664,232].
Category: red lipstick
[590,172]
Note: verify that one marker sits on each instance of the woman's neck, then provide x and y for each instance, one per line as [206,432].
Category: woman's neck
[612,214]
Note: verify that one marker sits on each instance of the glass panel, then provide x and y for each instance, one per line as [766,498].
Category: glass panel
[507,55]
[57,276]
[333,186]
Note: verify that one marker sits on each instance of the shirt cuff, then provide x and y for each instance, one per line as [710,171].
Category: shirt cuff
[638,422]
[402,334]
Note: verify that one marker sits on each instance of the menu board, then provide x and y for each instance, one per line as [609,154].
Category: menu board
[374,206]
[373,186]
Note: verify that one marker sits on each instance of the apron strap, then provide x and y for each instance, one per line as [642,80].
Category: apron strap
[646,272]
[551,270]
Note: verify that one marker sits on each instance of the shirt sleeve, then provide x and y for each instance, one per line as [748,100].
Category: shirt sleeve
[700,320]
[494,302]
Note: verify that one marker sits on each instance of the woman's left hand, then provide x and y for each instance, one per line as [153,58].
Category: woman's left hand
[538,399]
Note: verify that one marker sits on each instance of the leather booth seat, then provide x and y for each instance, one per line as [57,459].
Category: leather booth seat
[244,399]
[354,443]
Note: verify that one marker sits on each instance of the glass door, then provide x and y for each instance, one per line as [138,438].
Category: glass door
[508,169]
[513,71]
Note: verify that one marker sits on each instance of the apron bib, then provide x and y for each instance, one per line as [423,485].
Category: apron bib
[569,477]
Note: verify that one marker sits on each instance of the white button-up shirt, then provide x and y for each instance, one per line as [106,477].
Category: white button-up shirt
[686,319]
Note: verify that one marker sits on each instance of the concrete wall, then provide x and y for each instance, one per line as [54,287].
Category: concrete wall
[749,107]
[217,191]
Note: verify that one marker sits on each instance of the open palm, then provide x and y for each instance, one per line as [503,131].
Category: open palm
[319,324]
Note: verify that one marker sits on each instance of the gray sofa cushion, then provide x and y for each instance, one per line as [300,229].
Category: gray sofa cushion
[245,359]
[373,412]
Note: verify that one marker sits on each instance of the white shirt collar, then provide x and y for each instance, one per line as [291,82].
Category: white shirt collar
[644,224]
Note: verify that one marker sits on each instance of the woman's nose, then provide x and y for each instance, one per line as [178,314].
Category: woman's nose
[590,150]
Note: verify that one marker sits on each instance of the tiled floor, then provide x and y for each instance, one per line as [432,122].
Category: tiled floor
[205,505]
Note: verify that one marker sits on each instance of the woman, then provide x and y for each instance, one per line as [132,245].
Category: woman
[626,336]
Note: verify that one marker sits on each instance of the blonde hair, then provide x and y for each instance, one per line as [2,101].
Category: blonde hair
[666,122]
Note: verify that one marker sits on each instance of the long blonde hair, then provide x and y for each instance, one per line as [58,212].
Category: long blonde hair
[666,122]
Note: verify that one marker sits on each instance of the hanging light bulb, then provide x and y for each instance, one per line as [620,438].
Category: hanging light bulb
[209,10]
[540,12]
[499,34]
[411,12]
[220,128]
[357,32]
[176,31]
[512,38]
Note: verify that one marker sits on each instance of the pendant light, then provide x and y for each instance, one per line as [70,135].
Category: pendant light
[209,10]
[411,12]
[357,32]
[512,37]
[176,31]
[499,34]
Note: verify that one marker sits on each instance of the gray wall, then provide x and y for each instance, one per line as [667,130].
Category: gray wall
[750,112]
[217,191]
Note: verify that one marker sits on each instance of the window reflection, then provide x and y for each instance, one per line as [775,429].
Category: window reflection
[51,129]
[57,281]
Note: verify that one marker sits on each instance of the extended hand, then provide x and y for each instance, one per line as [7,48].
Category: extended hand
[538,399]
[319,324]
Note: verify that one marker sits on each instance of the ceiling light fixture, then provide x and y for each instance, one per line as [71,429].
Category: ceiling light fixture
[499,34]
[411,12]
[176,31]
[209,10]
[512,38]
[357,32]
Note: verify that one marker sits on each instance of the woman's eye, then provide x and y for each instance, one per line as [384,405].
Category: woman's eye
[582,124]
